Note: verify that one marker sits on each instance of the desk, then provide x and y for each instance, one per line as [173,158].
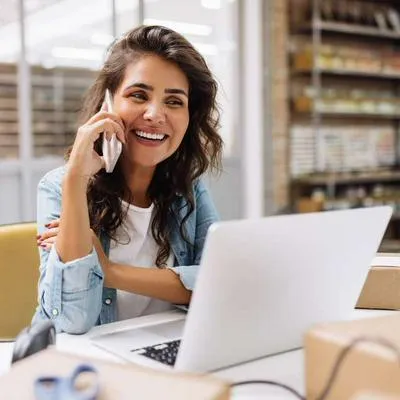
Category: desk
[287,368]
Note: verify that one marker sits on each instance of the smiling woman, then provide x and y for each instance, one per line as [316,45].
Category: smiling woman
[129,243]
[153,103]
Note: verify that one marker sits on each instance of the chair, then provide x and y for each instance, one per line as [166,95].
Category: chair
[19,273]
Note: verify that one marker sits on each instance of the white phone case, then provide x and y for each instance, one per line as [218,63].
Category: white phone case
[111,148]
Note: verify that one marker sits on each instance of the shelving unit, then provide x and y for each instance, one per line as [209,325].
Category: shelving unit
[348,29]
[349,73]
[345,112]
[56,99]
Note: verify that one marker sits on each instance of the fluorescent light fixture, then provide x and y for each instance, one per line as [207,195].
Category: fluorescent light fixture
[77,53]
[206,49]
[211,4]
[181,27]
[101,39]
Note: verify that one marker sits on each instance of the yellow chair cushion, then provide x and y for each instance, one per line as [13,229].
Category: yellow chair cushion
[19,272]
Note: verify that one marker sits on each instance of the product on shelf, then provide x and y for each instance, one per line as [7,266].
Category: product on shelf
[341,149]
[360,13]
[344,59]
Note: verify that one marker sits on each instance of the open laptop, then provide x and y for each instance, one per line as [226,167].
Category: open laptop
[261,285]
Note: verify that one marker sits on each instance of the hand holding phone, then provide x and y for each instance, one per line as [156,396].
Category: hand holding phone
[112,147]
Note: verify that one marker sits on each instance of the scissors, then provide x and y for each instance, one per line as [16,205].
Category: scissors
[64,388]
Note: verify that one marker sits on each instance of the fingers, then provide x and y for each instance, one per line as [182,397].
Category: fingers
[109,126]
[47,244]
[48,238]
[103,114]
[53,224]
[49,233]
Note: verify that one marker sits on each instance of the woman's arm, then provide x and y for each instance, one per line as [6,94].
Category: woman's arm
[75,238]
[162,284]
[68,293]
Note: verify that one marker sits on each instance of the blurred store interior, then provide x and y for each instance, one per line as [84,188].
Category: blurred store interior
[309,93]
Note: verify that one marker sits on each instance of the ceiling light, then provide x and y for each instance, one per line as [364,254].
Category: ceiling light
[181,27]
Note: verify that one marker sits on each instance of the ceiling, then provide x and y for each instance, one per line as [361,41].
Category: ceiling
[9,9]
[76,32]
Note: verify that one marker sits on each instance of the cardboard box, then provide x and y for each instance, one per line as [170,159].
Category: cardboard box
[367,366]
[381,289]
[117,381]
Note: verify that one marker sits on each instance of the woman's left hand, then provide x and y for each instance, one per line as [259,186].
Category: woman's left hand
[47,239]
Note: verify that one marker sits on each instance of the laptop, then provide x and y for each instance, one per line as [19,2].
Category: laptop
[262,284]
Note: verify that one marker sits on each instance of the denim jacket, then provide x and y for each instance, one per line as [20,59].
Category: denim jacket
[72,294]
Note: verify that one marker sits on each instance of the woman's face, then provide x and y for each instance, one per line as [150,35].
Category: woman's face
[153,103]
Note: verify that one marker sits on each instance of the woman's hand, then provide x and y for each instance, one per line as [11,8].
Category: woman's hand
[84,160]
[48,238]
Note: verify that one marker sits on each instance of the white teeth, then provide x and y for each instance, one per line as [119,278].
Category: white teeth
[153,136]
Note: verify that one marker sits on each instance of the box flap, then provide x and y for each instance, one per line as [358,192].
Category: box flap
[117,381]
[343,332]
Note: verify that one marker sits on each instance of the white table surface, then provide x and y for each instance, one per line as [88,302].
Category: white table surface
[287,368]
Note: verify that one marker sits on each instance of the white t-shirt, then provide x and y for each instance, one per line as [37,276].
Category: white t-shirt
[140,251]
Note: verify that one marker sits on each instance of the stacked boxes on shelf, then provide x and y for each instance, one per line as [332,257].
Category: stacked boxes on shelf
[342,149]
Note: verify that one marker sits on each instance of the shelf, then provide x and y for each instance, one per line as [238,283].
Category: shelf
[350,29]
[333,114]
[349,73]
[348,178]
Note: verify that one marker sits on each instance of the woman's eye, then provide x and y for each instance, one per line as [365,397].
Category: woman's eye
[174,102]
[139,96]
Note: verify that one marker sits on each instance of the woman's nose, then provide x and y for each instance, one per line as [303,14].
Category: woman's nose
[155,113]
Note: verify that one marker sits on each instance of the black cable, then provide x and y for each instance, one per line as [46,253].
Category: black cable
[342,355]
[273,383]
[335,370]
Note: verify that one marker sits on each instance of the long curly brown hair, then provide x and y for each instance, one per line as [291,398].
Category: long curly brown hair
[200,149]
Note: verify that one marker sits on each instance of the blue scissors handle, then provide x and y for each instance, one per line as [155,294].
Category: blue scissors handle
[63,388]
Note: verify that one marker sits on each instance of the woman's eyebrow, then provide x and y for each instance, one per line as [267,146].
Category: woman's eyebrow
[145,86]
[140,85]
[176,91]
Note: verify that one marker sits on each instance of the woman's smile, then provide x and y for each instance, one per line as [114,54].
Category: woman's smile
[146,138]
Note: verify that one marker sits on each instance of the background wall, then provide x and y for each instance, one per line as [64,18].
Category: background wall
[54,52]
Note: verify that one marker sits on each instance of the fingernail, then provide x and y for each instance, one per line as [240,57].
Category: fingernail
[47,225]
[38,236]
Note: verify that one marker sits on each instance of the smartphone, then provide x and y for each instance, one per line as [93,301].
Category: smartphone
[112,148]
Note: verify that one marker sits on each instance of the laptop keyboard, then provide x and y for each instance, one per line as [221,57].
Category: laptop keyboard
[164,352]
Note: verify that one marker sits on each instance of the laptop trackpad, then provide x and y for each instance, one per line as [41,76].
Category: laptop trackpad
[169,330]
[141,337]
